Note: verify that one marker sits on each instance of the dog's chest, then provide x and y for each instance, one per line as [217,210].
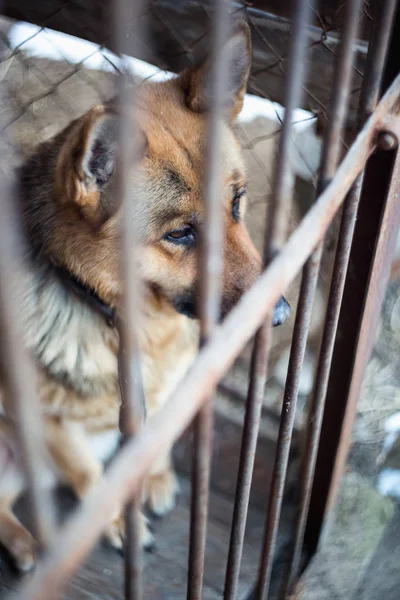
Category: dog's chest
[82,357]
[166,354]
[103,445]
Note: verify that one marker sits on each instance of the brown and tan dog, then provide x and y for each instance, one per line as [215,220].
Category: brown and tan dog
[72,220]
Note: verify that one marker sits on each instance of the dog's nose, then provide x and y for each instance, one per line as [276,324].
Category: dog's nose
[281,312]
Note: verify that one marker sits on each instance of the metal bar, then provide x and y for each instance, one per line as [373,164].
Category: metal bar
[349,309]
[82,530]
[132,410]
[329,160]
[20,397]
[211,267]
[299,341]
[19,376]
[377,51]
[276,232]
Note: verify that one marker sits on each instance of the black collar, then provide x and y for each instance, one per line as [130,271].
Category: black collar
[87,294]
[112,319]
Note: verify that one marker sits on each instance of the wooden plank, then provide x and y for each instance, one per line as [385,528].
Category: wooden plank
[165,569]
[227,442]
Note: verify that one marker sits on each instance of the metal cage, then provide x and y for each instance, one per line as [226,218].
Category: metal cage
[364,185]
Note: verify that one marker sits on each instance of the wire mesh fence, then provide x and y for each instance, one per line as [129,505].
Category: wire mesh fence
[178,37]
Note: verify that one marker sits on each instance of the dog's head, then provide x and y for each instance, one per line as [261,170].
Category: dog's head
[167,188]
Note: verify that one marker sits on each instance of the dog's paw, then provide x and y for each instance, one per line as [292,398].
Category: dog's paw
[115,533]
[161,491]
[22,549]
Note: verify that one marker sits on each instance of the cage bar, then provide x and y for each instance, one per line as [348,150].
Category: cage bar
[133,407]
[330,157]
[211,267]
[327,478]
[274,238]
[20,396]
[21,401]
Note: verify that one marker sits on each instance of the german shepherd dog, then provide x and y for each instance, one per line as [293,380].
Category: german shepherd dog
[72,222]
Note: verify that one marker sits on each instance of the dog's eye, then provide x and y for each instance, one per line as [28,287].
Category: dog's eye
[236,203]
[185,236]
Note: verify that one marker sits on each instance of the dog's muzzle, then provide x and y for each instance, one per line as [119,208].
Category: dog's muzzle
[186,305]
[281,313]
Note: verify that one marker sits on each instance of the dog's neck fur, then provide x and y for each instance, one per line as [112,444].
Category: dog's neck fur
[71,340]
[59,326]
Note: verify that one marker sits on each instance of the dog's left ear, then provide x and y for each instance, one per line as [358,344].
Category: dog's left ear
[196,82]
[88,159]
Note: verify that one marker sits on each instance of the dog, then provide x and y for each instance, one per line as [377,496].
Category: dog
[72,219]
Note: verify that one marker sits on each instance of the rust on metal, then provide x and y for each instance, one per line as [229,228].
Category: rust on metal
[211,266]
[383,18]
[330,157]
[132,411]
[352,301]
[17,368]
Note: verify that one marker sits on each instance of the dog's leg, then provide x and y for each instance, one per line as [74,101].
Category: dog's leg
[13,536]
[161,487]
[115,533]
[69,448]
[67,445]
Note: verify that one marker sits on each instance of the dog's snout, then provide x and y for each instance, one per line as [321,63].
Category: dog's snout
[281,312]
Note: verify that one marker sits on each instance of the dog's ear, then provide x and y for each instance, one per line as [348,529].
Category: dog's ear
[196,82]
[88,158]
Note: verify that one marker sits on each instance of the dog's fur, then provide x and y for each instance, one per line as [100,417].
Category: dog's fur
[72,218]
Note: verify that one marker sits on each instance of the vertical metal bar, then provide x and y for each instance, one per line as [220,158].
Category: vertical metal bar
[330,158]
[132,394]
[20,394]
[384,13]
[330,467]
[211,266]
[275,237]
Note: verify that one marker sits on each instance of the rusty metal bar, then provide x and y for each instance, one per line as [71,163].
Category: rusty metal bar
[133,408]
[383,16]
[20,397]
[17,371]
[211,267]
[306,298]
[342,394]
[123,478]
[276,232]
[330,157]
